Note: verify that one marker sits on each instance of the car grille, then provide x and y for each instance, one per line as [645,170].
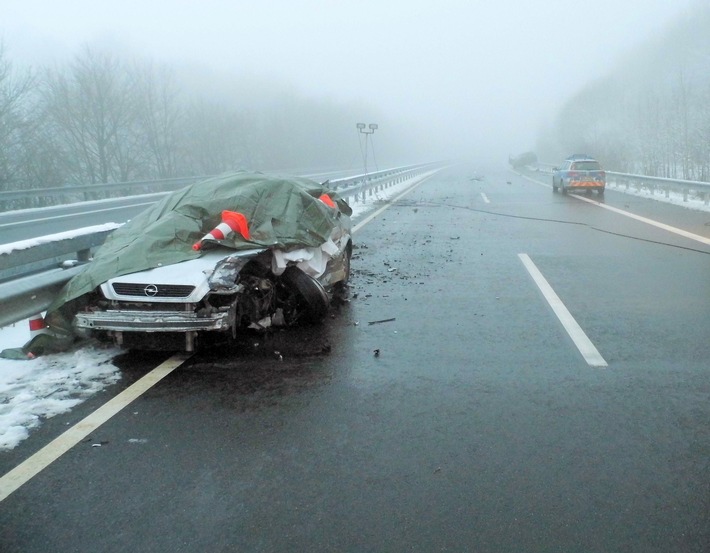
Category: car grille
[152,290]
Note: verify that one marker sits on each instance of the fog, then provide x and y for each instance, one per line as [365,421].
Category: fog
[469,77]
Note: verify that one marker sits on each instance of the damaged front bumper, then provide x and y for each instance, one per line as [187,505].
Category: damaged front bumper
[153,321]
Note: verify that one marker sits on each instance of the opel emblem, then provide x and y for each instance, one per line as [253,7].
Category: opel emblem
[151,290]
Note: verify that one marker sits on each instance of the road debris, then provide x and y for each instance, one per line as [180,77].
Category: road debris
[381,321]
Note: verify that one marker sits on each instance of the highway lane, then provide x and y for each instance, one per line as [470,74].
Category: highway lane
[469,422]
[697,222]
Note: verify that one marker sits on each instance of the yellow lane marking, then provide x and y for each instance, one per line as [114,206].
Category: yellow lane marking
[29,468]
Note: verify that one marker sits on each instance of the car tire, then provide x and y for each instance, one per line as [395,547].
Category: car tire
[340,289]
[346,266]
[310,292]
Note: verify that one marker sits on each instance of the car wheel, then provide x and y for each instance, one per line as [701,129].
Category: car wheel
[311,293]
[346,266]
[340,289]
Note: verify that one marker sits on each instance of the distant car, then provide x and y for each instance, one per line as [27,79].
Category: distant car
[519,161]
[579,172]
[181,272]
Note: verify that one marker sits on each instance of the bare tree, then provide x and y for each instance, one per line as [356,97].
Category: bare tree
[98,118]
[14,92]
[160,116]
[213,137]
[92,108]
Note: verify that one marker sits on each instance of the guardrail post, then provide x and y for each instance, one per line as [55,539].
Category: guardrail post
[685,194]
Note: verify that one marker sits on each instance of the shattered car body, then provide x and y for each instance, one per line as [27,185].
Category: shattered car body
[223,291]
[165,280]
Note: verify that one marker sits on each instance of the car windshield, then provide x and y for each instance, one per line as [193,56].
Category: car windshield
[586,166]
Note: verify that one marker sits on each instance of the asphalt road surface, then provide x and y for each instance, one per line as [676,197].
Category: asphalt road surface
[450,405]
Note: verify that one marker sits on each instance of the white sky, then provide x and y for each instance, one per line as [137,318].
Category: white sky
[474,72]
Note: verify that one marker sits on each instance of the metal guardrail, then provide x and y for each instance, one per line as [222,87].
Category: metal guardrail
[59,195]
[653,185]
[49,255]
[359,186]
[30,278]
[662,185]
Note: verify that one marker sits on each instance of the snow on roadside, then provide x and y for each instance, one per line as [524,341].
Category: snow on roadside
[24,244]
[675,198]
[31,391]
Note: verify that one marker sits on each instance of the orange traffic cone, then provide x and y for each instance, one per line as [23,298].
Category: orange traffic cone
[232,221]
[327,200]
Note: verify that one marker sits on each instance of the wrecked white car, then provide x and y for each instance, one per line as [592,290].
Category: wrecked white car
[238,252]
[222,291]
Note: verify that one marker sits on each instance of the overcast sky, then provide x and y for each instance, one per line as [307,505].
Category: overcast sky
[477,73]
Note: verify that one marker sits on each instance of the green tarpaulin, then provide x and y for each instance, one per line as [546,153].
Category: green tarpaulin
[281,212]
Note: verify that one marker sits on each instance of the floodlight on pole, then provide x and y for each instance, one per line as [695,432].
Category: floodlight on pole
[367,130]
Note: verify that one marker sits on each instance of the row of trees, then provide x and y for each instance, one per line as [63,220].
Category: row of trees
[652,115]
[102,119]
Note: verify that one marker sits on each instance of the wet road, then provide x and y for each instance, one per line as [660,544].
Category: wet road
[469,422]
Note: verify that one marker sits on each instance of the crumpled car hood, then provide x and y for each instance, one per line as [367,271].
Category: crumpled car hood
[195,273]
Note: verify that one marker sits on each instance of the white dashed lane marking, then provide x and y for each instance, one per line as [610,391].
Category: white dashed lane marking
[584,344]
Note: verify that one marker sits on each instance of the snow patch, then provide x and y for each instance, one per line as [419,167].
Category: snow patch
[32,242]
